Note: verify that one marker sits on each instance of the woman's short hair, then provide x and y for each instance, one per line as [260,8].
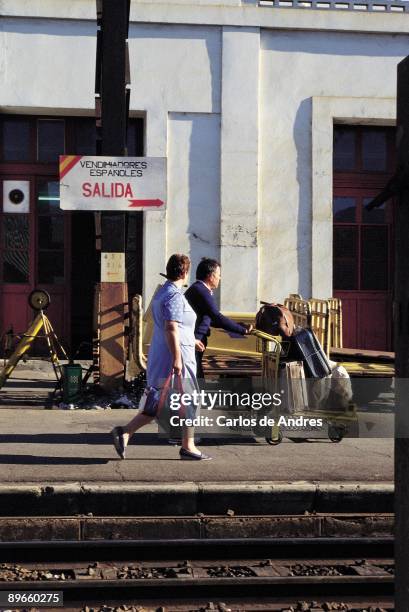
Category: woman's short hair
[206,267]
[177,266]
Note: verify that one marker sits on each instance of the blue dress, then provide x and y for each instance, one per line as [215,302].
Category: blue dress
[169,304]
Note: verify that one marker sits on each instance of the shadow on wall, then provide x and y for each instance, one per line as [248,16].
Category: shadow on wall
[303,142]
[50,27]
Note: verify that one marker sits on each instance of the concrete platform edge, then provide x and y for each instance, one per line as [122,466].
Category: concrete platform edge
[193,498]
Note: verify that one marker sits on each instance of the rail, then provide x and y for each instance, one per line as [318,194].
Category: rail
[271,567]
[370,6]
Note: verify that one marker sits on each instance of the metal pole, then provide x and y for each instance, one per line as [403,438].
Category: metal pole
[112,116]
[401,333]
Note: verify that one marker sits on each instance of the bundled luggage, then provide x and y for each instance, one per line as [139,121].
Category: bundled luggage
[275,319]
[306,348]
[332,386]
[328,389]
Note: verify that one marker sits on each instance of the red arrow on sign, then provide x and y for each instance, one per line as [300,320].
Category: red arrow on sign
[136,203]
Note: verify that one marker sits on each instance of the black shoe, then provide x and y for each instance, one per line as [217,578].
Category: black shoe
[118,438]
[185,454]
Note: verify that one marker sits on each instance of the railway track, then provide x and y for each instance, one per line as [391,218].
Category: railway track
[172,573]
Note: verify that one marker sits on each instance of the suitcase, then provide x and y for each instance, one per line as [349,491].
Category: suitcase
[306,348]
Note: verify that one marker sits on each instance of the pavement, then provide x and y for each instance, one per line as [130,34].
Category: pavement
[30,385]
[63,462]
[68,446]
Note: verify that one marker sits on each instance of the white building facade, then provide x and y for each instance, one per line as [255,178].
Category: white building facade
[241,97]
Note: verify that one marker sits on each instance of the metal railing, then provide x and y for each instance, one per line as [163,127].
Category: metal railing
[370,6]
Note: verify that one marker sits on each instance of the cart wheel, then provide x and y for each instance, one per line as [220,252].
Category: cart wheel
[275,441]
[336,433]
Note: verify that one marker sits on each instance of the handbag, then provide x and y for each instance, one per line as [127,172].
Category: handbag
[155,402]
[149,401]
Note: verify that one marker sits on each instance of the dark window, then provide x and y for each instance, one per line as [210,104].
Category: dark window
[344,148]
[344,209]
[51,267]
[51,232]
[50,242]
[15,248]
[44,139]
[374,216]
[15,231]
[374,150]
[15,267]
[51,139]
[374,258]
[345,257]
[361,250]
[16,140]
[83,137]
[363,149]
[345,274]
[345,242]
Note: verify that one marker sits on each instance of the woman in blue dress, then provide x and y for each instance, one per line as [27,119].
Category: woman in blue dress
[172,351]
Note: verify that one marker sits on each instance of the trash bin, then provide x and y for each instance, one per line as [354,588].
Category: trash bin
[72,382]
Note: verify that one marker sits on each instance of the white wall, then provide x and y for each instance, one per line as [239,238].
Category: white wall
[193,217]
[230,104]
[177,69]
[47,64]
[239,168]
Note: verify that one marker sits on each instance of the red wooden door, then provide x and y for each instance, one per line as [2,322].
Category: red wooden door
[363,268]
[364,160]
[34,253]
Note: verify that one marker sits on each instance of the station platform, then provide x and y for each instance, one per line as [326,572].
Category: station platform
[56,461]
[63,462]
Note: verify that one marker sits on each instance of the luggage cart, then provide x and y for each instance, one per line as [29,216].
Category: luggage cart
[274,350]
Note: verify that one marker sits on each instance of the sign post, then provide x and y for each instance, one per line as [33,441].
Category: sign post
[402,345]
[112,107]
[398,186]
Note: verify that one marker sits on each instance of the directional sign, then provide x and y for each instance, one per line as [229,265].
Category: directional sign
[112,183]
